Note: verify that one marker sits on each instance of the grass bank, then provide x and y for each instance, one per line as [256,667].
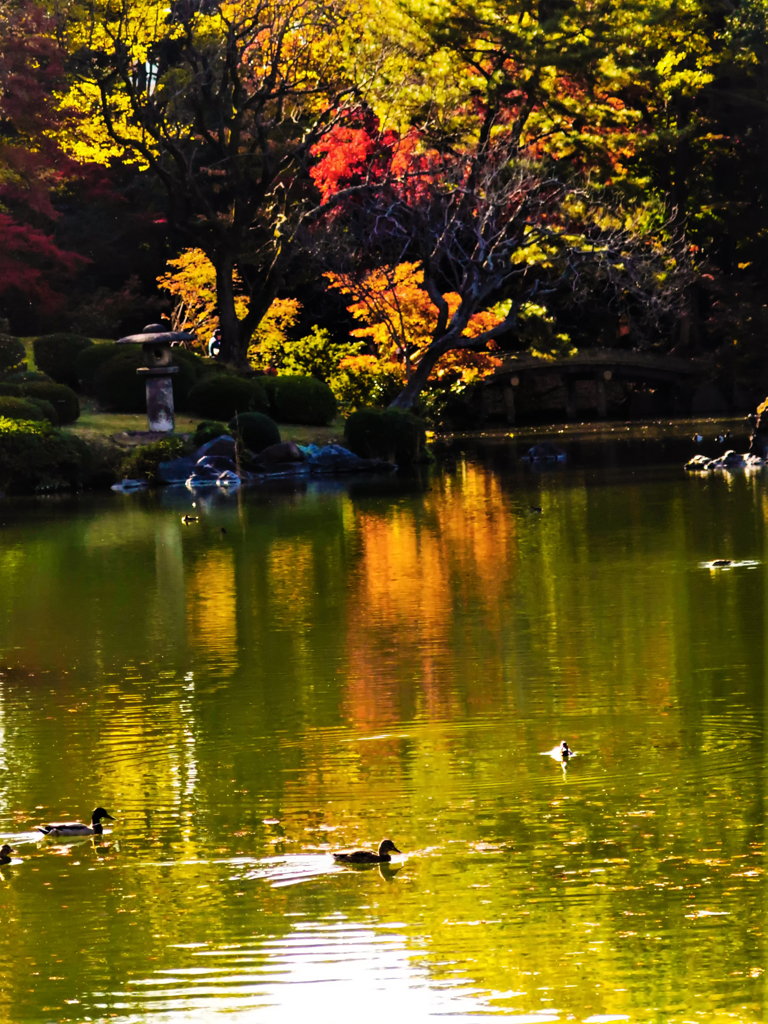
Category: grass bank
[95,425]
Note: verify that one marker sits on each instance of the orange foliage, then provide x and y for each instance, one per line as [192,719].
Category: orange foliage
[401,319]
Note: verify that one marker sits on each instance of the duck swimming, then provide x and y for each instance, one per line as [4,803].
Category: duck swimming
[5,852]
[76,828]
[367,856]
[561,753]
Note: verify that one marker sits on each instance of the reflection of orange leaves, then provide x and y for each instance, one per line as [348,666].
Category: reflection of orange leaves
[413,566]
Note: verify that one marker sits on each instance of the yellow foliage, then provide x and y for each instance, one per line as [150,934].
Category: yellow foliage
[192,283]
[272,332]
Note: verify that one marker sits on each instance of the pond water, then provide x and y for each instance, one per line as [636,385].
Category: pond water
[389,657]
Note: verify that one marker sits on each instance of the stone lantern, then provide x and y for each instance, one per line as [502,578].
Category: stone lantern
[158,373]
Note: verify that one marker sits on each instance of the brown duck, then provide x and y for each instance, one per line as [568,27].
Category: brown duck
[367,856]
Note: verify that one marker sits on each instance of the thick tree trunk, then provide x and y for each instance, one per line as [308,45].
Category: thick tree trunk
[231,349]
[236,334]
[410,393]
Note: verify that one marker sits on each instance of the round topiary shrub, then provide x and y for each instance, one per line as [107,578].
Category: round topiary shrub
[13,355]
[257,430]
[27,377]
[55,354]
[89,360]
[12,390]
[47,409]
[299,400]
[220,397]
[207,430]
[386,434]
[63,399]
[34,457]
[116,385]
[20,409]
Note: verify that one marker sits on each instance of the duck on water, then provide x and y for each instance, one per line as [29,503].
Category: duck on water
[5,854]
[386,846]
[562,752]
[54,829]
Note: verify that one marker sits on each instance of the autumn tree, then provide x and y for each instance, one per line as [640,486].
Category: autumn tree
[400,319]
[32,165]
[223,103]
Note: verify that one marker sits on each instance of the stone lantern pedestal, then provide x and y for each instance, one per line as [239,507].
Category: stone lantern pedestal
[158,373]
[159,382]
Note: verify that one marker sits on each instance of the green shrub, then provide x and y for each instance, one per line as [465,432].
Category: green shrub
[20,409]
[88,361]
[35,457]
[207,431]
[116,385]
[220,397]
[299,400]
[12,390]
[183,382]
[27,377]
[363,384]
[256,430]
[13,355]
[195,362]
[143,461]
[386,434]
[63,399]
[55,354]
[47,409]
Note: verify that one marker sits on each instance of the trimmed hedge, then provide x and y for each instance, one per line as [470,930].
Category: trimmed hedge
[386,434]
[257,430]
[182,356]
[27,377]
[47,409]
[117,386]
[55,354]
[35,457]
[299,400]
[220,397]
[20,409]
[13,355]
[207,431]
[64,400]
[10,390]
[88,361]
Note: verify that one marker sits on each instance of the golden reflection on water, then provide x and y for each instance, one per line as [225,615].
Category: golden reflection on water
[343,666]
[212,608]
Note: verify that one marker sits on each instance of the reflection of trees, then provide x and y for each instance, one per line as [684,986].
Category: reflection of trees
[430,577]
[212,609]
[459,636]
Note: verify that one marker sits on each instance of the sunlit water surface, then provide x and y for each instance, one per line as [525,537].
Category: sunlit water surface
[389,657]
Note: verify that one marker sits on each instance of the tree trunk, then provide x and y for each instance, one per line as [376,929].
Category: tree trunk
[410,393]
[225,300]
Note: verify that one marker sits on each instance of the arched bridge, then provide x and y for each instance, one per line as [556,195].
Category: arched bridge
[601,366]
